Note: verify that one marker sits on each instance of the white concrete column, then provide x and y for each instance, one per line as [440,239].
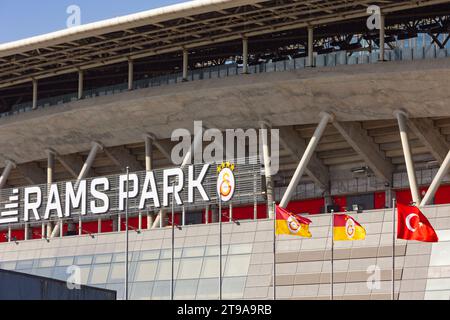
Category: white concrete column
[310,46]
[402,118]
[80,226]
[207,214]
[90,159]
[35,93]
[140,221]
[382,36]
[443,170]
[267,172]
[185,64]
[149,167]
[231,212]
[183,216]
[80,84]
[325,118]
[245,55]
[9,165]
[43,233]
[50,165]
[150,220]
[9,234]
[130,74]
[99,225]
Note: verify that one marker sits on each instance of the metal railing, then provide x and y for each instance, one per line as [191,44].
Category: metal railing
[228,70]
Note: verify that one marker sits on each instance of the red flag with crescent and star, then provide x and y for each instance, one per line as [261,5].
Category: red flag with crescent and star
[413,225]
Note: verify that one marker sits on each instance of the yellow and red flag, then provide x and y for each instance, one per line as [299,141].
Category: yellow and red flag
[347,229]
[291,224]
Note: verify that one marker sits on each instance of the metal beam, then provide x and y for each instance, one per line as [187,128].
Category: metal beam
[430,136]
[267,172]
[163,146]
[245,55]
[122,157]
[291,141]
[185,64]
[310,46]
[359,140]
[32,173]
[90,160]
[9,165]
[436,181]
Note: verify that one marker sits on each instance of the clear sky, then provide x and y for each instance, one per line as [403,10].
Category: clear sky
[26,18]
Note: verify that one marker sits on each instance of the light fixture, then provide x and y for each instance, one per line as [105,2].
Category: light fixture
[360,170]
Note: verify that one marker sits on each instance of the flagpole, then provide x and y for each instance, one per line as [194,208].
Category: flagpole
[332,255]
[172,282]
[393,248]
[274,251]
[126,234]
[220,248]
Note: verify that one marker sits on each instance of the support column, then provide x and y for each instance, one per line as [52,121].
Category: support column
[35,93]
[325,118]
[185,64]
[80,84]
[130,74]
[443,170]
[27,233]
[382,36]
[50,170]
[311,46]
[150,220]
[9,165]
[402,118]
[90,159]
[207,214]
[245,55]
[267,171]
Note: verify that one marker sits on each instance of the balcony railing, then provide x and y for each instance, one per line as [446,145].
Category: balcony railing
[228,70]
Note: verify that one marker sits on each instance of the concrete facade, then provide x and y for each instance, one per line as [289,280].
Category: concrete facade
[352,93]
[302,269]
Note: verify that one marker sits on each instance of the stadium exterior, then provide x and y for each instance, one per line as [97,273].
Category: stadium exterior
[360,112]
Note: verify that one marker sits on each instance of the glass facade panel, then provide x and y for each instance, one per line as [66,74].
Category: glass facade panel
[103,258]
[165,269]
[161,290]
[60,273]
[24,264]
[117,273]
[440,254]
[194,252]
[46,263]
[10,265]
[64,261]
[84,271]
[208,289]
[81,260]
[99,274]
[185,289]
[190,268]
[167,253]
[146,271]
[240,248]
[237,265]
[150,255]
[141,291]
[211,267]
[233,288]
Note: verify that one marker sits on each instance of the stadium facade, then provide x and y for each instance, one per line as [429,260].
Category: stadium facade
[356,92]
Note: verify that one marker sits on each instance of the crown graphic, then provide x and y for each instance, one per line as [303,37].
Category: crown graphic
[225,165]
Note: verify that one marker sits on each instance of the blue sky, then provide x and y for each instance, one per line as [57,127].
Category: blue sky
[25,18]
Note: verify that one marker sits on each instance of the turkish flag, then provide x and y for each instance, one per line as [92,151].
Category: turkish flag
[413,225]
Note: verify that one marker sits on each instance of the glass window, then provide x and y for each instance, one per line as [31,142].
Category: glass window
[233,288]
[59,273]
[211,267]
[208,289]
[118,287]
[150,255]
[10,265]
[83,260]
[141,291]
[99,274]
[194,252]
[117,273]
[45,263]
[146,270]
[440,254]
[240,248]
[165,269]
[120,257]
[167,253]
[190,268]
[43,272]
[214,250]
[161,290]
[185,289]
[437,295]
[24,264]
[438,284]
[65,261]
[237,265]
[103,258]
[84,272]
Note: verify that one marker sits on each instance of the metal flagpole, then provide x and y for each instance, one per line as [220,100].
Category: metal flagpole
[220,248]
[393,248]
[274,252]
[126,234]
[332,254]
[172,282]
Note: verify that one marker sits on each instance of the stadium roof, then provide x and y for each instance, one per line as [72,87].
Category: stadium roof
[169,29]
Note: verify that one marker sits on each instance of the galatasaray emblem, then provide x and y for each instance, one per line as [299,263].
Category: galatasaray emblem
[350,228]
[226,183]
[293,225]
